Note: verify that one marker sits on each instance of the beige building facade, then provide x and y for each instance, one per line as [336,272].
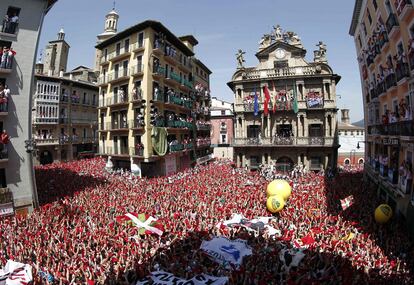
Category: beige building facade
[299,126]
[65,120]
[152,98]
[17,181]
[383,32]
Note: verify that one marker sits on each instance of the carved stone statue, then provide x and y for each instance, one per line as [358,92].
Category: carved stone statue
[265,41]
[240,58]
[277,32]
[322,49]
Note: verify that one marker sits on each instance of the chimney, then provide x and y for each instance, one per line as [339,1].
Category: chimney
[345,116]
[61,73]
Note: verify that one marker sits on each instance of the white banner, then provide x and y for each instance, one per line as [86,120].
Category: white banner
[165,278]
[227,252]
[15,273]
[6,209]
[257,224]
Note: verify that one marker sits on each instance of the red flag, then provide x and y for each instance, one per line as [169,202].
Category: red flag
[307,240]
[266,101]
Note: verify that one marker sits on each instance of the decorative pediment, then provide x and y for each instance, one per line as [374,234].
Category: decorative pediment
[282,46]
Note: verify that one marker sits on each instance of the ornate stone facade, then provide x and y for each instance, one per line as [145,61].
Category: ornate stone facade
[285,107]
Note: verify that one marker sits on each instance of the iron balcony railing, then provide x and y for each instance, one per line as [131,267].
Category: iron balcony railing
[391,22]
[274,141]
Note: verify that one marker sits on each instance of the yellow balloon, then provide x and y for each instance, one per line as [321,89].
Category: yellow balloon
[383,213]
[275,203]
[279,187]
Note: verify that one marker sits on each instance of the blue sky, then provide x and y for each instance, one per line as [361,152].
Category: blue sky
[221,27]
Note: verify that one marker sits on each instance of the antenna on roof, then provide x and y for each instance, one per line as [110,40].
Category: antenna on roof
[113,8]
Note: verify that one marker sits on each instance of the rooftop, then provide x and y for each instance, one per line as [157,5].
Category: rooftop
[156,26]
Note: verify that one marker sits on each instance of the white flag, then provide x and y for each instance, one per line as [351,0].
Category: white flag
[15,273]
[227,252]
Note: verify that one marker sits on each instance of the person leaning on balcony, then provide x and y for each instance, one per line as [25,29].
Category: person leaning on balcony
[3,59]
[6,24]
[4,139]
[13,23]
[10,57]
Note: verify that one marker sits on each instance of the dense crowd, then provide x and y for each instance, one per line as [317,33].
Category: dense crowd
[75,237]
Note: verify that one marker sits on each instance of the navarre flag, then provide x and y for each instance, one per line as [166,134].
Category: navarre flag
[347,202]
[145,223]
[266,101]
[256,103]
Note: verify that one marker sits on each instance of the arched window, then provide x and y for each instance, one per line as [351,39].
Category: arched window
[347,161]
[361,161]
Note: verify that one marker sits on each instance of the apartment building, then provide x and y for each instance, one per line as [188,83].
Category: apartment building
[65,120]
[19,39]
[222,122]
[153,95]
[383,32]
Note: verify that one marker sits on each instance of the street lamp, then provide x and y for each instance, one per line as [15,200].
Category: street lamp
[30,146]
[358,147]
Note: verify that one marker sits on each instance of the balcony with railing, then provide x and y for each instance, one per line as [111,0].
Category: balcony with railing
[117,99]
[138,150]
[187,84]
[46,120]
[172,98]
[121,74]
[46,141]
[203,142]
[4,107]
[203,126]
[103,79]
[118,54]
[179,124]
[136,95]
[158,71]
[137,69]
[280,72]
[173,77]
[137,124]
[402,71]
[175,147]
[4,153]
[392,25]
[9,29]
[118,126]
[6,202]
[284,141]
[403,8]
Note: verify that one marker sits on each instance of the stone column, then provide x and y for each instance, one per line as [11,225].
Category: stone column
[269,128]
[305,126]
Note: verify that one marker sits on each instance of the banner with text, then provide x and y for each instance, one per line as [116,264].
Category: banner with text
[165,278]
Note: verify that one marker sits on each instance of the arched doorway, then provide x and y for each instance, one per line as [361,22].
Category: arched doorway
[46,157]
[284,164]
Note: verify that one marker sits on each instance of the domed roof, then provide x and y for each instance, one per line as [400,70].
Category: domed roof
[113,12]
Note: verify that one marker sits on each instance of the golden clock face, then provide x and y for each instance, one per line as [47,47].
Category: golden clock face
[280,53]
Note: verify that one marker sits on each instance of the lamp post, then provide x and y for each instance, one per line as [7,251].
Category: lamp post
[30,146]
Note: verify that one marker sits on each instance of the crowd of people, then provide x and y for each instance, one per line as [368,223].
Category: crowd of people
[76,238]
